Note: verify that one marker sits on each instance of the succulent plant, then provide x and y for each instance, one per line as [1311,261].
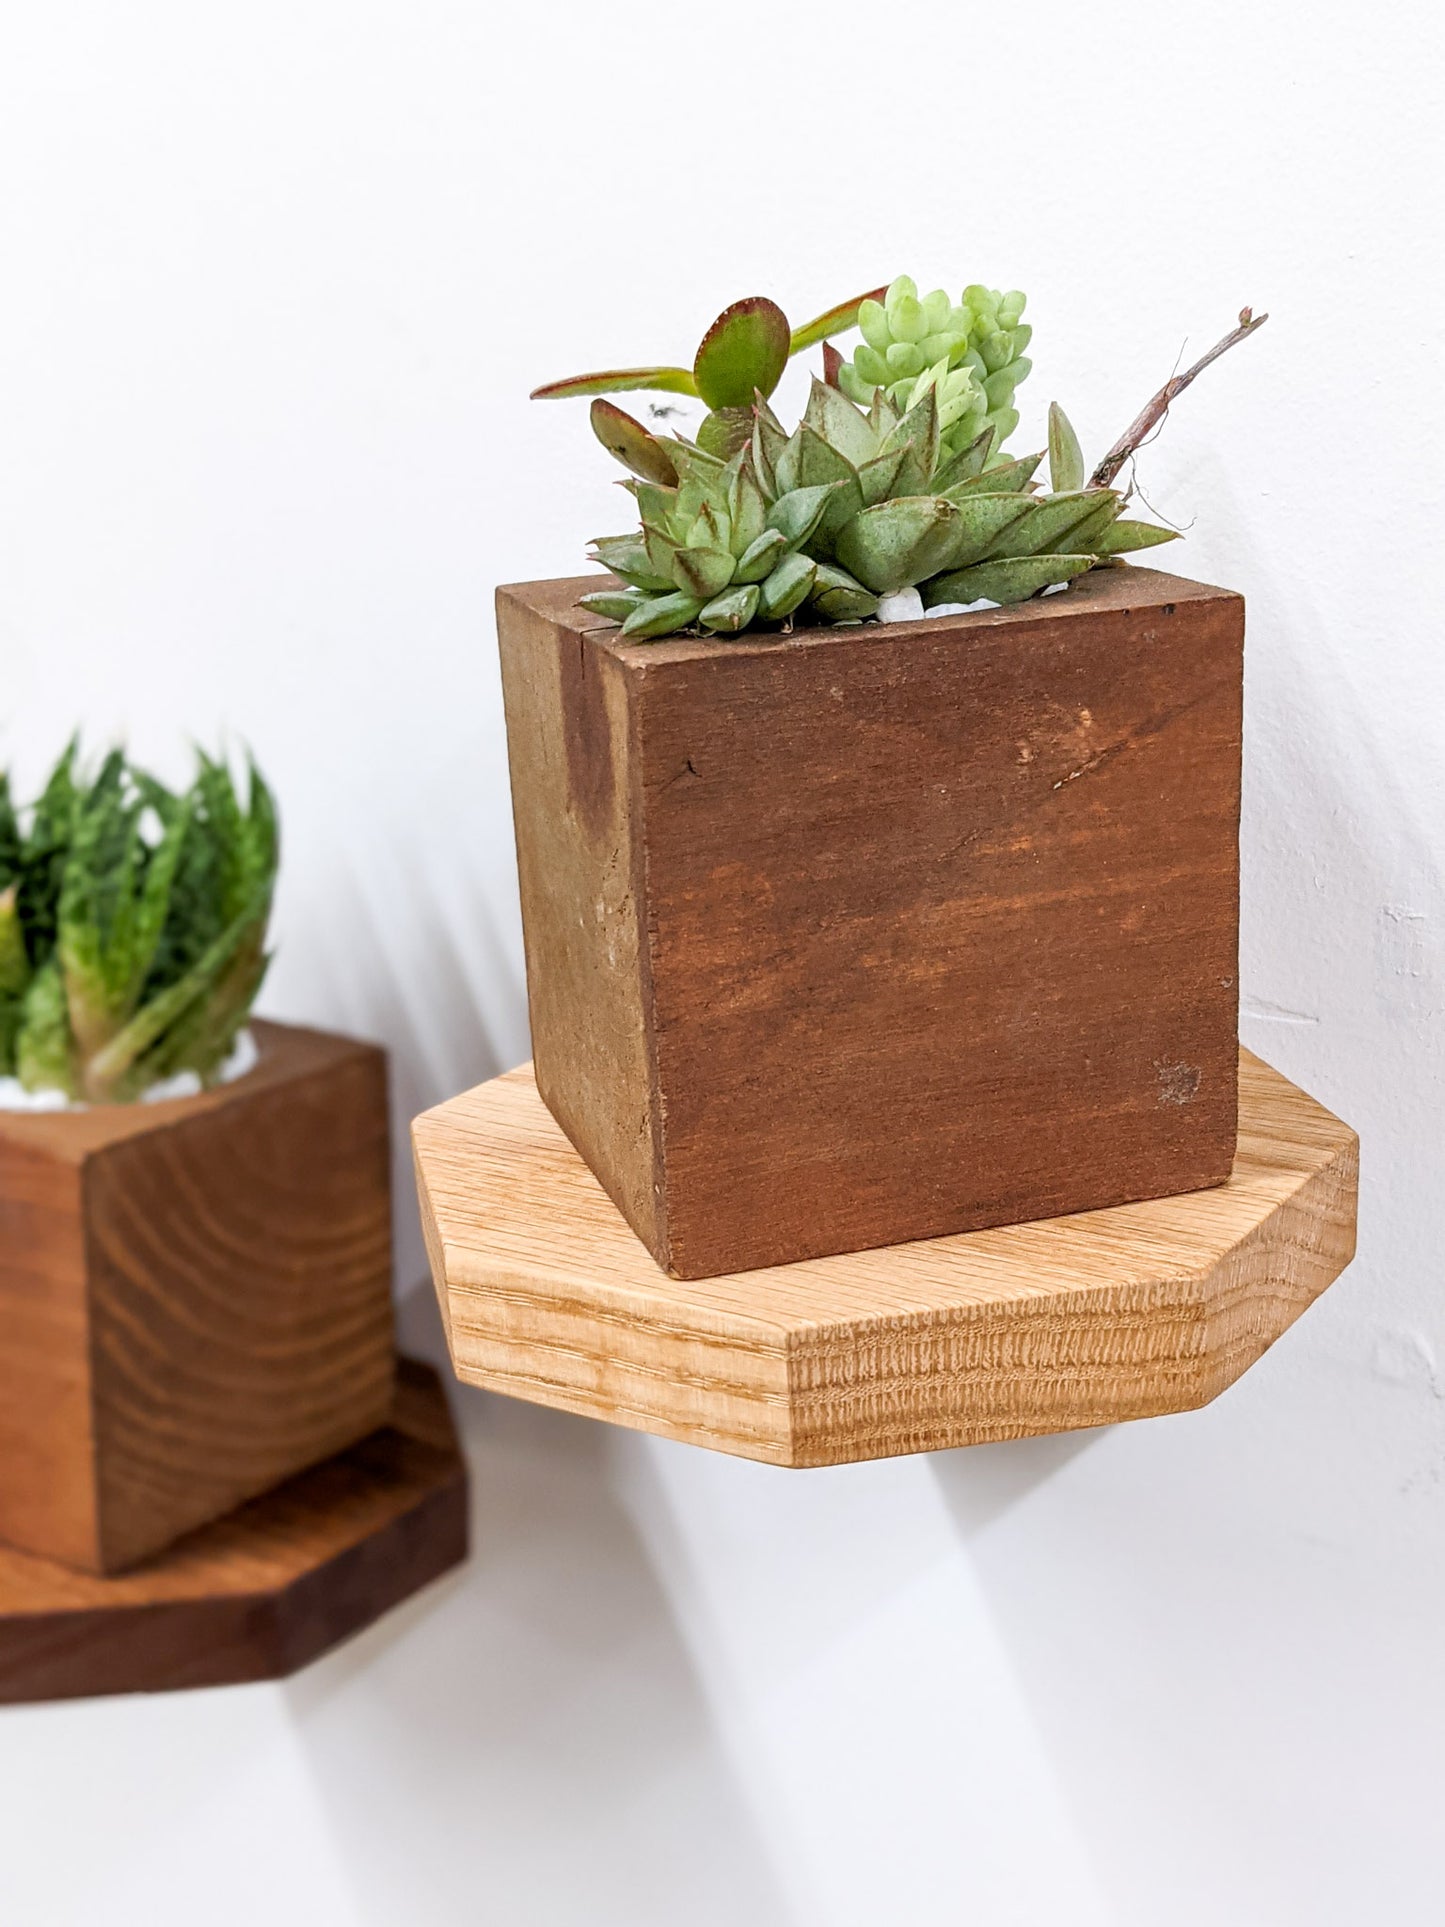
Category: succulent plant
[972,349]
[715,549]
[743,353]
[905,514]
[132,926]
[862,502]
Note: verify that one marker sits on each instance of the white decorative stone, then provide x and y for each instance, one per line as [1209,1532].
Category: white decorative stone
[244,1058]
[905,605]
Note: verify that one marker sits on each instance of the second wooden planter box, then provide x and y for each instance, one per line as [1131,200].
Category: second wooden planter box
[872,934]
[195,1299]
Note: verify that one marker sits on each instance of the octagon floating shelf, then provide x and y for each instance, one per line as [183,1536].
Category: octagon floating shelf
[261,1593]
[1128,1313]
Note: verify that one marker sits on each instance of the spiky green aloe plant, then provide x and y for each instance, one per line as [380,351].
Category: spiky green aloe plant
[132,926]
[743,353]
[715,549]
[972,349]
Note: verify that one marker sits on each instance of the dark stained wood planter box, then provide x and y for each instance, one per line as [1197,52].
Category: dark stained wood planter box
[879,933]
[195,1299]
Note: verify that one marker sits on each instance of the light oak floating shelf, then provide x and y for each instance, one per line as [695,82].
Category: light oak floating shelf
[262,1592]
[1087,1320]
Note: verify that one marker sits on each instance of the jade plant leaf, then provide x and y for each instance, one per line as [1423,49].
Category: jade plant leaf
[746,349]
[618,381]
[636,447]
[834,321]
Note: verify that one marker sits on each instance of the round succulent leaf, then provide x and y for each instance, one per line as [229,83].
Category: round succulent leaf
[1126,536]
[745,349]
[870,366]
[761,557]
[897,544]
[873,326]
[616,604]
[662,615]
[787,588]
[636,447]
[998,389]
[727,614]
[724,431]
[904,358]
[1005,582]
[702,572]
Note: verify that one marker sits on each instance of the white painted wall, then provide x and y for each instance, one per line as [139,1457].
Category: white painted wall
[274,281]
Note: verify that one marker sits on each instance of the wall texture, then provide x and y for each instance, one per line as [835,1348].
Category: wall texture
[276,282]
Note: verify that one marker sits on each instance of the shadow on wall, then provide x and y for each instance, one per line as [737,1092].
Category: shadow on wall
[531,1730]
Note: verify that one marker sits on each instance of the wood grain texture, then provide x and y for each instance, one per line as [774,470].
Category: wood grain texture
[262,1592]
[195,1299]
[872,934]
[1086,1320]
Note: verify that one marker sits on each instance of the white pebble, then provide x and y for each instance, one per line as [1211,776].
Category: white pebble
[962,608]
[904,605]
[245,1057]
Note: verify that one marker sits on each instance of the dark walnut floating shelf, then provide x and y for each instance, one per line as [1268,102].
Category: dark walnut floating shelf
[1044,1327]
[262,1592]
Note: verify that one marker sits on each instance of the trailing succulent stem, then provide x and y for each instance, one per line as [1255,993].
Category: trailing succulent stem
[132,926]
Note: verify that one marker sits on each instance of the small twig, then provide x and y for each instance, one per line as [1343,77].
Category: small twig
[1152,415]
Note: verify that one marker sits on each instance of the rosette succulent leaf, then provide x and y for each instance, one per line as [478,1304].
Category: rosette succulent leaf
[906,513]
[132,927]
[718,549]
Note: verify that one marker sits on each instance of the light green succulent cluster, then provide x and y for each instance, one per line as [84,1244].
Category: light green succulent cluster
[717,549]
[972,351]
[132,926]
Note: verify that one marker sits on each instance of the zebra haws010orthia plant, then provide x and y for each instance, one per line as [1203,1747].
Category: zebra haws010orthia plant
[132,926]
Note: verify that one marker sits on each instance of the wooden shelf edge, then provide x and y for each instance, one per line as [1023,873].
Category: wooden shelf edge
[1057,1325]
[262,1592]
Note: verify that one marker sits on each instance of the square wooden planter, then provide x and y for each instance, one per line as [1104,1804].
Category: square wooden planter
[195,1299]
[874,934]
